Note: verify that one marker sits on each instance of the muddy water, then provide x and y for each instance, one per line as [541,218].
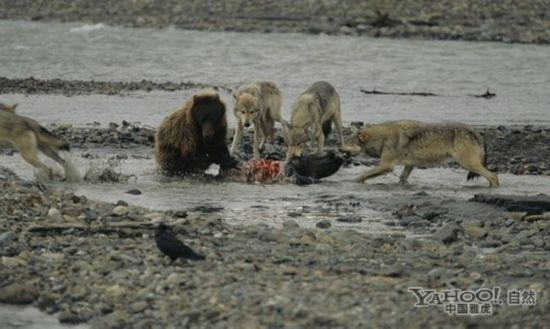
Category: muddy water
[335,198]
[519,74]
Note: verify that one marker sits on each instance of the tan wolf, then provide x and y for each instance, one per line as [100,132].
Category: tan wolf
[258,103]
[418,144]
[312,117]
[29,137]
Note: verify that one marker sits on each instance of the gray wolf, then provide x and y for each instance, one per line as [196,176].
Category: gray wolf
[29,137]
[418,144]
[312,117]
[194,137]
[258,103]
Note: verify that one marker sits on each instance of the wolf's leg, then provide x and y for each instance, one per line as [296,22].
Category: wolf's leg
[482,171]
[237,137]
[27,145]
[320,142]
[475,165]
[405,174]
[382,169]
[267,126]
[338,123]
[256,147]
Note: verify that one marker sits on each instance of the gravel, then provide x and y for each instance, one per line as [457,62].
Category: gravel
[108,273]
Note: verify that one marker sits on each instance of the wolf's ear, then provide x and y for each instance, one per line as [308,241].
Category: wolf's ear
[9,108]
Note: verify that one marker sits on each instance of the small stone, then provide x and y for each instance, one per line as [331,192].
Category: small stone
[290,224]
[180,213]
[6,237]
[114,291]
[18,294]
[409,219]
[349,219]
[294,214]
[536,218]
[54,213]
[90,215]
[138,307]
[53,256]
[475,232]
[448,233]
[323,224]
[269,235]
[514,215]
[70,318]
[134,191]
[63,126]
[120,210]
[121,203]
[12,261]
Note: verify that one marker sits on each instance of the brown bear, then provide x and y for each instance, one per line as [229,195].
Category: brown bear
[194,137]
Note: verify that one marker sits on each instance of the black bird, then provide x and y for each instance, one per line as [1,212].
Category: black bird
[171,246]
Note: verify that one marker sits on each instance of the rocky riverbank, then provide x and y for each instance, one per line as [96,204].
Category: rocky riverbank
[96,262]
[79,87]
[507,21]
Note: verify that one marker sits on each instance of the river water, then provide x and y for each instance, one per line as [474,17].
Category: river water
[518,74]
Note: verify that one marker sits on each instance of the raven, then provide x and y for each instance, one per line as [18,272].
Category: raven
[171,246]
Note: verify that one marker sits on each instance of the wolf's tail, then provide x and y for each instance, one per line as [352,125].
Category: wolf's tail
[472,175]
[46,137]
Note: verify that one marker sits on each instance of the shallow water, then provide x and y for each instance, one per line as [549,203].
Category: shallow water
[337,196]
[519,74]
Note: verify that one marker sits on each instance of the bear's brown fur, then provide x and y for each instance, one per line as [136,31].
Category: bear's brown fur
[193,137]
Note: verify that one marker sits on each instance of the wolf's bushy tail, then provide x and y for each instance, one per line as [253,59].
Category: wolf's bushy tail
[472,175]
[46,137]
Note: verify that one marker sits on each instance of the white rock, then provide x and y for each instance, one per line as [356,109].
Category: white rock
[120,210]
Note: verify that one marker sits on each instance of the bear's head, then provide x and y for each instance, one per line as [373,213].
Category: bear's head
[208,113]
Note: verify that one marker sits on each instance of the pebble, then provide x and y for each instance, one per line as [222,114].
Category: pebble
[54,214]
[6,237]
[475,231]
[350,219]
[134,191]
[18,294]
[323,224]
[448,233]
[290,224]
[120,210]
